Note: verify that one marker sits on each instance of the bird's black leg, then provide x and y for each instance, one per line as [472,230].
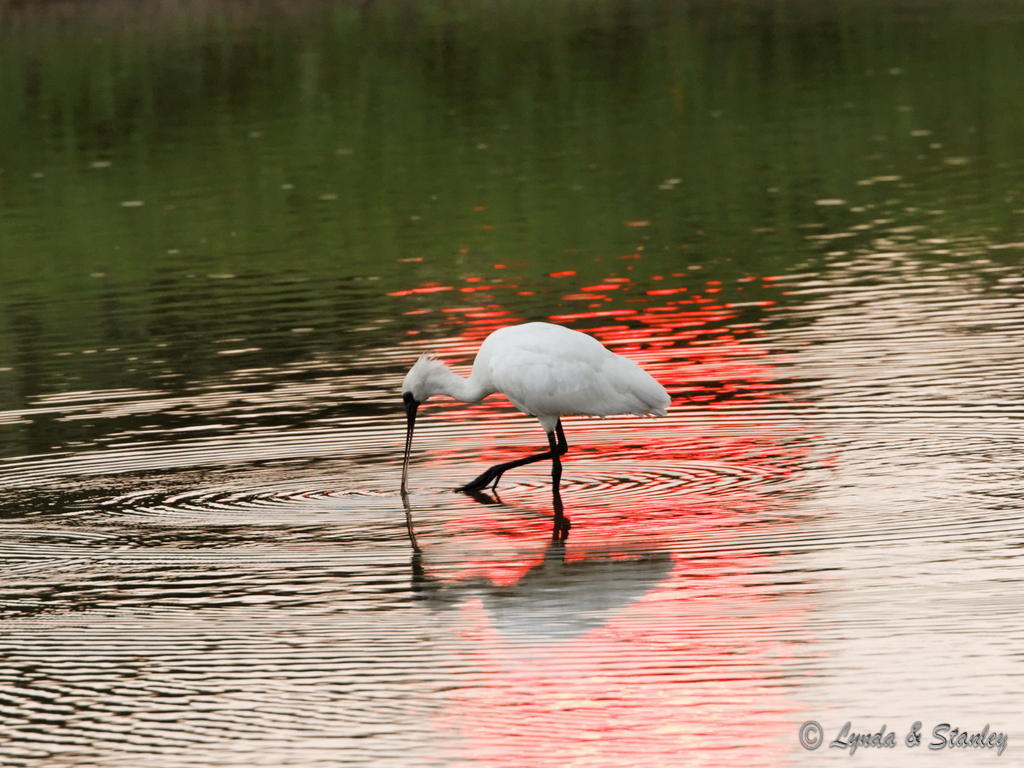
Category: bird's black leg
[555,450]
[492,475]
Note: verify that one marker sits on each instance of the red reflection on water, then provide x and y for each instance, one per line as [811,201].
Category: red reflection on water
[422,289]
[668,662]
[680,676]
[583,297]
[665,291]
[675,663]
[569,317]
[688,343]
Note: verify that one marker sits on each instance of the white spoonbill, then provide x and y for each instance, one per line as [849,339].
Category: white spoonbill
[546,371]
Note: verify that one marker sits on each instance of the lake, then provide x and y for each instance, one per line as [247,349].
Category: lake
[227,230]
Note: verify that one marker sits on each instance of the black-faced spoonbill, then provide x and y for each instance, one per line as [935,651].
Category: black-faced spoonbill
[546,371]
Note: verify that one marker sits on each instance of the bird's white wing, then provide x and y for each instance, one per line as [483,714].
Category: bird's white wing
[554,375]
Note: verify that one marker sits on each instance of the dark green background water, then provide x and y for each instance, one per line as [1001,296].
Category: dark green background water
[326,143]
[226,229]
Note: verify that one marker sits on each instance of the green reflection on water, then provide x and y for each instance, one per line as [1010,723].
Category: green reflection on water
[143,149]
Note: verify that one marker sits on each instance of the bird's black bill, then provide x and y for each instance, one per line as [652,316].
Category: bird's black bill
[411,404]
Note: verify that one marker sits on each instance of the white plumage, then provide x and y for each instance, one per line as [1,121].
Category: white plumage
[545,370]
[549,371]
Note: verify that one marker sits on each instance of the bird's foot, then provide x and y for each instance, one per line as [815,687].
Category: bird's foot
[480,483]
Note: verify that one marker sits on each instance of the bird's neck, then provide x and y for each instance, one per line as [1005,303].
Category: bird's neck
[445,381]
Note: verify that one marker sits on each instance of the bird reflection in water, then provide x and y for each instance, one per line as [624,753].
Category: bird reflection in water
[559,529]
[560,523]
[556,599]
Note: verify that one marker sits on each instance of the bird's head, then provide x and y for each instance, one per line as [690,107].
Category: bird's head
[423,379]
[419,384]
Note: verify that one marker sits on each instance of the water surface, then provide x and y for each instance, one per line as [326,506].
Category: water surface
[227,232]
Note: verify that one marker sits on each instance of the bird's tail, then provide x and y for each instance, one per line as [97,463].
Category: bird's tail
[644,393]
